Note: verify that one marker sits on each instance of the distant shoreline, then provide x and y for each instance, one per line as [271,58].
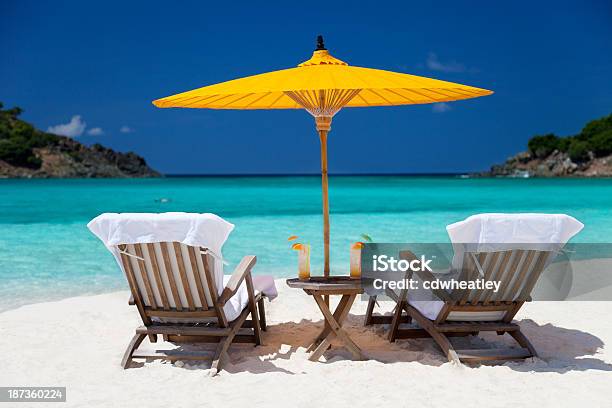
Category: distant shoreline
[178,175]
[466,176]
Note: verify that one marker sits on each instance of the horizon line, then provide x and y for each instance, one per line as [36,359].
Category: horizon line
[314,174]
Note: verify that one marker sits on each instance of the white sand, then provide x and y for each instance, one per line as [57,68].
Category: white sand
[79,342]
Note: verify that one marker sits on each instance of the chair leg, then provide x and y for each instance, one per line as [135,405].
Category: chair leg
[369,311]
[437,336]
[395,323]
[134,343]
[256,327]
[522,340]
[224,343]
[253,309]
[255,319]
[446,346]
[262,314]
[221,353]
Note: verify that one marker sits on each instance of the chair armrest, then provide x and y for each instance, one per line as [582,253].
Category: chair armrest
[240,273]
[131,301]
[426,276]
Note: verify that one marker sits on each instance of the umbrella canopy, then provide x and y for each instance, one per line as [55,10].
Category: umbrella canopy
[322,86]
[342,85]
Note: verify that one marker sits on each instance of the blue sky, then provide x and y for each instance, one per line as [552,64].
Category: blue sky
[549,63]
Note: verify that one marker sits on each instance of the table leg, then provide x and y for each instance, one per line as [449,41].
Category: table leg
[339,314]
[336,329]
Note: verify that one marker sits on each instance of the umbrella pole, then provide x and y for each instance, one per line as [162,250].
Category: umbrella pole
[323,127]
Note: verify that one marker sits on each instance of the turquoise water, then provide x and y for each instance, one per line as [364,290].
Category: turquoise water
[46,251]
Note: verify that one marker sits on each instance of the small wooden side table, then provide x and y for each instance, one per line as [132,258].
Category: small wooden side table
[317,287]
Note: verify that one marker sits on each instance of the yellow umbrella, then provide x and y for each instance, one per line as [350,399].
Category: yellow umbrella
[322,85]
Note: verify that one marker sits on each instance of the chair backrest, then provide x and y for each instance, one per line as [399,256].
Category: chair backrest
[517,272]
[513,249]
[170,281]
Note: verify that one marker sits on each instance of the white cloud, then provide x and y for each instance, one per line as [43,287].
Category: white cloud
[95,131]
[435,64]
[441,107]
[126,129]
[74,128]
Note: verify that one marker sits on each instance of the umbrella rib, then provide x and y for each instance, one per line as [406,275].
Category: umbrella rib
[380,96]
[277,99]
[201,98]
[180,99]
[452,91]
[297,98]
[220,99]
[462,92]
[322,100]
[399,94]
[363,99]
[311,99]
[307,101]
[236,100]
[258,99]
[186,105]
[333,96]
[336,98]
[425,96]
[350,94]
[439,91]
[205,99]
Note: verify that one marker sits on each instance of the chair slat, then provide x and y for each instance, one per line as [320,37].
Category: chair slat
[142,270]
[540,264]
[134,288]
[469,270]
[508,274]
[496,275]
[483,259]
[490,268]
[525,269]
[184,279]
[200,261]
[168,266]
[210,280]
[150,250]
[198,279]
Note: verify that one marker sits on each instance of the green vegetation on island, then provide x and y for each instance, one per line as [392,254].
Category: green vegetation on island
[28,152]
[18,139]
[587,154]
[595,137]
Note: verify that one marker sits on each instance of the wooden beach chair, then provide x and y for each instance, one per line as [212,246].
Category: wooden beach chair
[468,312]
[173,285]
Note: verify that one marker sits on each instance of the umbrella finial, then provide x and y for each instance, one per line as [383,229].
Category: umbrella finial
[321,56]
[320,45]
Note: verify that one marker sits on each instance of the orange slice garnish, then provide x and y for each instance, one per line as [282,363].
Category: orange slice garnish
[357,245]
[292,238]
[297,246]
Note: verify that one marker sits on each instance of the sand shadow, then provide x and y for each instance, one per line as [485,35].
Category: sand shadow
[241,357]
[560,349]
